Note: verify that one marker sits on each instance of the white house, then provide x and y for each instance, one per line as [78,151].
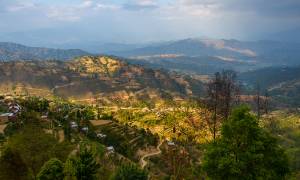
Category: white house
[110,149]
[100,135]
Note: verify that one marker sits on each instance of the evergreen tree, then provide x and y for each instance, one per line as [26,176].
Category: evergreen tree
[130,172]
[86,165]
[245,150]
[53,169]
[69,169]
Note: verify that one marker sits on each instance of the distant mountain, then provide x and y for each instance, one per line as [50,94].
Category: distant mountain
[100,78]
[13,51]
[191,47]
[100,47]
[240,55]
[202,64]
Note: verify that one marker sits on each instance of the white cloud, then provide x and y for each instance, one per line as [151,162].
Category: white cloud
[21,6]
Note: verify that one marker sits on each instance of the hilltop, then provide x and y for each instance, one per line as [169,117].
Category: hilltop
[12,51]
[95,78]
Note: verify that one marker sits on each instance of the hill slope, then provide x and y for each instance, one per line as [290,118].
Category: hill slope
[95,77]
[12,51]
[281,82]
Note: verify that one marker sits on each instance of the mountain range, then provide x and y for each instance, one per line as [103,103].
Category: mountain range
[12,51]
[200,56]
[152,70]
[233,54]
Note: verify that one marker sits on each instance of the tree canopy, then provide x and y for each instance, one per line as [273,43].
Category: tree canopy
[245,150]
[130,172]
[53,169]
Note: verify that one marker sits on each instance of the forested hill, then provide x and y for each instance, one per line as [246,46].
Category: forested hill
[13,51]
[271,76]
[90,77]
[282,83]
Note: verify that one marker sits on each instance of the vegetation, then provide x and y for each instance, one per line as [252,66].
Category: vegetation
[53,169]
[53,138]
[130,172]
[245,150]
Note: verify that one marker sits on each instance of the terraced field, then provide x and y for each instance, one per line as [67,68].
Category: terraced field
[126,140]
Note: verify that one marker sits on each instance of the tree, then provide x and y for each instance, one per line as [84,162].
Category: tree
[245,150]
[69,169]
[266,102]
[130,172]
[33,145]
[85,165]
[258,100]
[12,166]
[222,92]
[53,169]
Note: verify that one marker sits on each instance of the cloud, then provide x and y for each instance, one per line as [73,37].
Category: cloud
[268,8]
[151,19]
[137,5]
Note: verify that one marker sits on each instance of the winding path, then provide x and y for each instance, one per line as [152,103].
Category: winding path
[62,86]
[143,162]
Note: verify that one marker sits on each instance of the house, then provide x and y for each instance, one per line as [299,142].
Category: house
[110,149]
[4,118]
[171,143]
[73,124]
[100,135]
[14,108]
[85,129]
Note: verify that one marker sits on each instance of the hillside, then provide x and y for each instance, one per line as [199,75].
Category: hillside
[283,83]
[206,65]
[94,78]
[13,51]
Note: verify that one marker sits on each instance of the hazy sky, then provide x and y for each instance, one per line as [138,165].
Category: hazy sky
[67,21]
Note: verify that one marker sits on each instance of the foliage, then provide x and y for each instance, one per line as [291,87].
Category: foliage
[3,109]
[85,164]
[130,172]
[69,169]
[53,169]
[35,104]
[245,150]
[286,126]
[33,145]
[12,167]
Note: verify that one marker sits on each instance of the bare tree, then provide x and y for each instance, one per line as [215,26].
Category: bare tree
[258,101]
[222,91]
[266,103]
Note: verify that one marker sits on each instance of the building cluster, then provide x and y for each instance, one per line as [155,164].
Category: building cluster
[12,109]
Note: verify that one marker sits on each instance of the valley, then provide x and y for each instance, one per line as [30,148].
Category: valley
[159,116]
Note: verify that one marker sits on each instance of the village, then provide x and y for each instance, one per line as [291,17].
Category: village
[75,123]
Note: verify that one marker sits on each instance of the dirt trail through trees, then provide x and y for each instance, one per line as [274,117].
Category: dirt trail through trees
[143,162]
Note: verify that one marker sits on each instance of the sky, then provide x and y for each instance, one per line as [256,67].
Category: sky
[140,21]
